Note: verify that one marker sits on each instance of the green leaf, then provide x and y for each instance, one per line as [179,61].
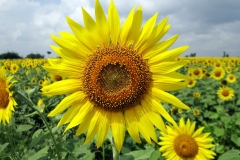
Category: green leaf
[38,136]
[23,127]
[226,119]
[141,154]
[230,155]
[40,154]
[213,115]
[219,132]
[30,91]
[156,155]
[238,102]
[238,142]
[237,122]
[219,109]
[2,147]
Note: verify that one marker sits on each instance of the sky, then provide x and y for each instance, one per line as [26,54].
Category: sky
[209,27]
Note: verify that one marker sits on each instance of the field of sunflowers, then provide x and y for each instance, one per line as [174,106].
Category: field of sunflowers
[212,93]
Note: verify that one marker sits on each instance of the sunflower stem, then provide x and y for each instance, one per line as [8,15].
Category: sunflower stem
[28,100]
[114,150]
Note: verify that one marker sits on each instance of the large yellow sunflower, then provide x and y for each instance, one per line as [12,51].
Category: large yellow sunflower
[116,76]
[7,102]
[183,143]
[225,93]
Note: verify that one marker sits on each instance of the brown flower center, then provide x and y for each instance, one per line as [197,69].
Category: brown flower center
[3,94]
[218,73]
[190,82]
[185,146]
[57,78]
[116,77]
[225,93]
[196,72]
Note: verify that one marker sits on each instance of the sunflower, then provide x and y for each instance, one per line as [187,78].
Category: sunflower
[7,102]
[196,94]
[14,68]
[181,142]
[191,82]
[218,73]
[197,73]
[196,112]
[116,76]
[231,78]
[225,93]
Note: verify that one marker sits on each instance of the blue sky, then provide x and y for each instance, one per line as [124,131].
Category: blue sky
[208,27]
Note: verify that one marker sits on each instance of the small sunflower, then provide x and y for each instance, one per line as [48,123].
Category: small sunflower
[7,102]
[196,112]
[191,82]
[225,93]
[218,73]
[197,73]
[231,78]
[14,68]
[181,142]
[196,94]
[116,76]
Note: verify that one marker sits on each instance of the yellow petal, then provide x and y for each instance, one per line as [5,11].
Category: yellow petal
[81,115]
[146,32]
[198,132]
[93,127]
[67,102]
[132,124]
[145,125]
[91,26]
[102,24]
[166,67]
[118,129]
[156,35]
[157,107]
[114,22]
[85,40]
[62,87]
[167,97]
[159,48]
[167,56]
[104,123]
[71,113]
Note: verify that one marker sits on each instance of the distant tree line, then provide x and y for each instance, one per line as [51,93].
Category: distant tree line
[195,54]
[15,55]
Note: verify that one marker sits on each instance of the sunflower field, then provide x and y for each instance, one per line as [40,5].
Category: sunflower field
[212,93]
[119,92]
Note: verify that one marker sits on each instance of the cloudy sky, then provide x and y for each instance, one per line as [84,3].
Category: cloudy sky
[209,27]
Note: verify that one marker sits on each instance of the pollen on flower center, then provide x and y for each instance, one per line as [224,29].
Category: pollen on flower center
[185,146]
[116,77]
[3,94]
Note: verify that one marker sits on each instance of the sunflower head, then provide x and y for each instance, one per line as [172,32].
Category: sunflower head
[231,78]
[7,102]
[225,93]
[182,142]
[116,76]
[218,73]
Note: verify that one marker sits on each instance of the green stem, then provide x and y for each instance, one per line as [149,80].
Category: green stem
[114,150]
[28,100]
[103,151]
